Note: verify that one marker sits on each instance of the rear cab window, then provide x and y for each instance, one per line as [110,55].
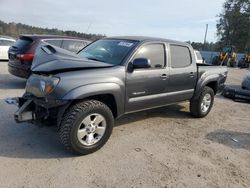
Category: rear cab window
[180,56]
[155,53]
[198,55]
[23,42]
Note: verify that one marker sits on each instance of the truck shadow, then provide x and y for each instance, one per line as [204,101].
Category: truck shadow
[8,81]
[171,111]
[33,142]
[233,139]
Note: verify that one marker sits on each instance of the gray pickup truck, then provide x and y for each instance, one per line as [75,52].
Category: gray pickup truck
[82,94]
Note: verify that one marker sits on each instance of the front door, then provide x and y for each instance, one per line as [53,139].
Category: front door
[146,87]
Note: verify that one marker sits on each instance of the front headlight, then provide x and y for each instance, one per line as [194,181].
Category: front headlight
[48,84]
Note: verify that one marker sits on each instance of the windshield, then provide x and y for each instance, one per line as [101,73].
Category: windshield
[110,51]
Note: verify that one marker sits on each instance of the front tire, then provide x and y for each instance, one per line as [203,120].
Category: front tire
[86,127]
[201,107]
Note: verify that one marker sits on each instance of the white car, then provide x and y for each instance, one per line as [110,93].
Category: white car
[5,43]
[198,57]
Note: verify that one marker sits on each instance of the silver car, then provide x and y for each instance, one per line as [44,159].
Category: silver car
[5,43]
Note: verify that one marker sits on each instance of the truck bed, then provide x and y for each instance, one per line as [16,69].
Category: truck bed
[216,73]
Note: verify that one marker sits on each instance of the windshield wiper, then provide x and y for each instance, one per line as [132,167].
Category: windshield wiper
[95,59]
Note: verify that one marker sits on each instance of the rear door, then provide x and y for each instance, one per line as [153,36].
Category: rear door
[183,72]
[145,87]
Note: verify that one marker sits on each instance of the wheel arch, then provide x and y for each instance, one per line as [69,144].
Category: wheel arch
[110,94]
[210,81]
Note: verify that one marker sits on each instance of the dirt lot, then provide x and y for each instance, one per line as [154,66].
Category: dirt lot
[157,148]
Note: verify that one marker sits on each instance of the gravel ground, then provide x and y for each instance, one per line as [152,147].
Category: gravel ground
[164,147]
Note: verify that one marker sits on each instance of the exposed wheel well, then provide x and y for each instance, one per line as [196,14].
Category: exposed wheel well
[107,99]
[213,85]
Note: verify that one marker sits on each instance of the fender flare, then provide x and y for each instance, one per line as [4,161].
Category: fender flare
[89,90]
[203,82]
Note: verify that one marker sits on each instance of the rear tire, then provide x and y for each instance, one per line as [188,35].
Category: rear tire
[86,127]
[201,107]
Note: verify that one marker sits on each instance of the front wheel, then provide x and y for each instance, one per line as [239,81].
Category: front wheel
[86,127]
[201,107]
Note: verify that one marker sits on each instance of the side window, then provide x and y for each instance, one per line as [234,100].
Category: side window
[180,56]
[154,52]
[72,45]
[57,43]
[1,43]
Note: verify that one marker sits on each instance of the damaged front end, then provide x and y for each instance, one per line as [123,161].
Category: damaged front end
[37,110]
[43,98]
[40,103]
[25,113]
[28,110]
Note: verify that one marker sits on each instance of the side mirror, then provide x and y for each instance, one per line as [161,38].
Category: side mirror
[140,63]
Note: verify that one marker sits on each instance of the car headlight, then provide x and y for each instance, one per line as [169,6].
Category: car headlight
[48,84]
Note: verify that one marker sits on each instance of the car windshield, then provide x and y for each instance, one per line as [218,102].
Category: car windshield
[110,51]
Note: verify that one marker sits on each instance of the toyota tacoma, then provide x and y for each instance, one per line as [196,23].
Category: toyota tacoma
[82,94]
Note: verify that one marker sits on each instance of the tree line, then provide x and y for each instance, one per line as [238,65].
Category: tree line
[233,29]
[208,46]
[15,29]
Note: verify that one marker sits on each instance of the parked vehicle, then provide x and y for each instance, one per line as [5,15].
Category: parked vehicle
[111,77]
[198,57]
[246,82]
[235,93]
[227,57]
[21,54]
[245,61]
[5,43]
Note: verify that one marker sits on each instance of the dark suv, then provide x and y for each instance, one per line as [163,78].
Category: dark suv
[22,52]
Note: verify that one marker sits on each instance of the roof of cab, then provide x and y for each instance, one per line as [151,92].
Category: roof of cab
[37,36]
[145,39]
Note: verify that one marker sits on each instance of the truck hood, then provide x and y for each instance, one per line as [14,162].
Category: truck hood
[51,59]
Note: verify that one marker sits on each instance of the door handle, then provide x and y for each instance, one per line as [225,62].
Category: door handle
[191,74]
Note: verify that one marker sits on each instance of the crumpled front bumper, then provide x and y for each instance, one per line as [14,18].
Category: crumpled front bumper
[25,112]
[32,109]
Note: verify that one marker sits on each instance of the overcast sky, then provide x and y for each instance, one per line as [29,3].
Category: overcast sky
[174,19]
